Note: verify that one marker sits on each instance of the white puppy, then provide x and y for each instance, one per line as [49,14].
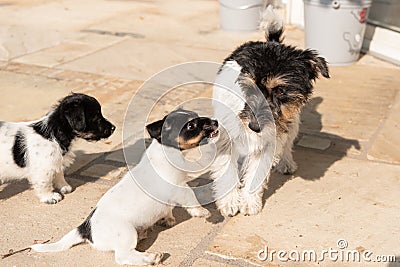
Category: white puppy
[146,194]
[40,150]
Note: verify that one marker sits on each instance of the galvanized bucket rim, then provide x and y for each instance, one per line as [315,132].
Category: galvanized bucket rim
[244,7]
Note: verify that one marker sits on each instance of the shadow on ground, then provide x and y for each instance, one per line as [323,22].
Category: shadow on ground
[312,163]
[11,189]
[396,263]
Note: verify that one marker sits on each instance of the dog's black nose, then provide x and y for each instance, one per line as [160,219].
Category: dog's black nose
[255,127]
[112,128]
[214,123]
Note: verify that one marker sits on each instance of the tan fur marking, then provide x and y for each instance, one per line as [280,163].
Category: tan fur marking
[289,112]
[191,143]
[272,82]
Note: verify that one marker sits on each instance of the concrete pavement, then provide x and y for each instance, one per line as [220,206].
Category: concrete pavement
[348,151]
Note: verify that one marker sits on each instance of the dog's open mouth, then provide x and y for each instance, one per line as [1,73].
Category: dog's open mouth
[213,134]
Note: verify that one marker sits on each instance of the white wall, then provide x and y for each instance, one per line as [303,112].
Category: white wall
[294,12]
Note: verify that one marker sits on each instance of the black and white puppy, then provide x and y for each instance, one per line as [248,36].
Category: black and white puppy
[144,195]
[40,150]
[268,83]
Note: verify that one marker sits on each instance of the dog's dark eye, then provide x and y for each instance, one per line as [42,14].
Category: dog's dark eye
[190,126]
[279,90]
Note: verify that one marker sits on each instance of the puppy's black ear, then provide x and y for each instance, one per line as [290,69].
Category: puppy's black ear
[155,128]
[317,64]
[75,116]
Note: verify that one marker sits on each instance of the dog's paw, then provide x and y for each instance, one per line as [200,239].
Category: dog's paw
[167,221]
[251,204]
[228,210]
[139,258]
[52,198]
[286,167]
[156,258]
[66,189]
[230,204]
[198,212]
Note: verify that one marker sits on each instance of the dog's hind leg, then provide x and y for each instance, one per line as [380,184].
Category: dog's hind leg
[126,253]
[60,183]
[43,186]
[168,220]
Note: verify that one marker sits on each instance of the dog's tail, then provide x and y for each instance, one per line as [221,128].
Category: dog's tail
[67,241]
[272,24]
[80,234]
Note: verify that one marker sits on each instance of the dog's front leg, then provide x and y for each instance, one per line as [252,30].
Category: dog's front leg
[224,172]
[286,164]
[256,169]
[188,200]
[42,183]
[198,211]
[60,184]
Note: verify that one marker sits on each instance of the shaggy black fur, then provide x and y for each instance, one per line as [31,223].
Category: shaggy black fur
[261,61]
[19,150]
[85,229]
[77,115]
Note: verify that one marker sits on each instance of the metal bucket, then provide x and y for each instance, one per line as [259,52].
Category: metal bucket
[240,15]
[336,28]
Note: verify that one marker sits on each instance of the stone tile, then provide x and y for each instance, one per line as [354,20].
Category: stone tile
[104,171]
[208,263]
[81,160]
[386,145]
[133,150]
[347,147]
[24,29]
[176,28]
[370,61]
[18,91]
[178,241]
[308,213]
[19,40]
[24,68]
[57,55]
[314,142]
[137,64]
[350,105]
[117,156]
[99,40]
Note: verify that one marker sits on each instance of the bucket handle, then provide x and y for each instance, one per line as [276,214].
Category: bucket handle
[240,7]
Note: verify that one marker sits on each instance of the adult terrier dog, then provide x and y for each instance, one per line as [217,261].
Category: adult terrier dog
[267,85]
[126,210]
[40,150]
